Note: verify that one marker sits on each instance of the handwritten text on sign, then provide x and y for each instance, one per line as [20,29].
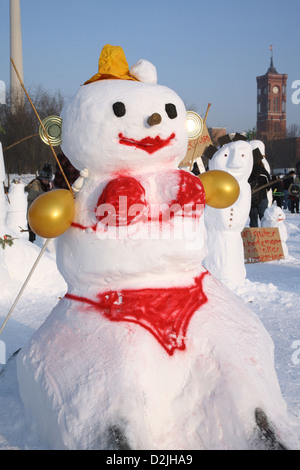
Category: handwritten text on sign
[262,244]
[196,147]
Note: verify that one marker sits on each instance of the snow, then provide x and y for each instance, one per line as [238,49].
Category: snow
[271,290]
[40,296]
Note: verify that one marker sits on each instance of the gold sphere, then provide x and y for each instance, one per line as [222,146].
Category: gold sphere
[221,188]
[52,213]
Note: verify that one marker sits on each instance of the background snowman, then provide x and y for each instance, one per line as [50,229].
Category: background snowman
[225,258]
[17,208]
[146,349]
[275,217]
[3,199]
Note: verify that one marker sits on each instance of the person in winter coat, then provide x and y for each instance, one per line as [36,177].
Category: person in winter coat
[259,200]
[286,184]
[35,188]
[294,190]
[277,191]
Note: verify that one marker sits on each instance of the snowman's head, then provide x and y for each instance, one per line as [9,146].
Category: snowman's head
[274,215]
[236,158]
[115,125]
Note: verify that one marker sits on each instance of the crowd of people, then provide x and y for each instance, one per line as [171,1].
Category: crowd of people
[282,190]
[286,191]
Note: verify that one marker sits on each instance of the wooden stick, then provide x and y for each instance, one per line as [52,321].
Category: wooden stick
[19,141]
[24,285]
[208,106]
[43,127]
[268,184]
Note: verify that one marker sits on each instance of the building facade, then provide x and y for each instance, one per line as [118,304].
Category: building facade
[271,105]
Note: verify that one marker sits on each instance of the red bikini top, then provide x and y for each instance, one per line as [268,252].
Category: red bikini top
[123,200]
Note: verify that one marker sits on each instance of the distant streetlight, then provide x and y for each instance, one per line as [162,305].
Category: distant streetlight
[16,91]
[2,92]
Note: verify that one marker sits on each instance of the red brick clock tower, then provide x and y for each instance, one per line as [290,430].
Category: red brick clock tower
[271,104]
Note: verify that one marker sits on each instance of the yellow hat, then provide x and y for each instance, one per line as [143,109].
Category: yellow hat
[112,64]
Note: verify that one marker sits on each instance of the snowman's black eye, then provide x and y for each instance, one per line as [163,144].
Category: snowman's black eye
[119,108]
[171,110]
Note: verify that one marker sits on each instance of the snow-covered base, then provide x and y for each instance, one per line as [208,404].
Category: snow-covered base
[88,383]
[226,257]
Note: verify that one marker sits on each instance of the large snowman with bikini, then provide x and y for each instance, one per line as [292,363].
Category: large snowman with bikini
[146,350]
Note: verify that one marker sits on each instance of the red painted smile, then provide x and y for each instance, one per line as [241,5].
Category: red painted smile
[149,144]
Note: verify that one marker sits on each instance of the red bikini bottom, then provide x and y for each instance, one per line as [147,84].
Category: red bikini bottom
[165,313]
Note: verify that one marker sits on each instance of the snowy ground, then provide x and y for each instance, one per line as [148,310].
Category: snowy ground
[271,290]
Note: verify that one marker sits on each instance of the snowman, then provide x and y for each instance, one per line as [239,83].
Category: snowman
[17,208]
[146,350]
[3,210]
[225,258]
[3,201]
[275,217]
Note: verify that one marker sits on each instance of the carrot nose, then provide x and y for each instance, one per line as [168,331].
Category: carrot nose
[154,119]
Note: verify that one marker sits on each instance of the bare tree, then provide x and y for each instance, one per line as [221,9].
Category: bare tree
[251,133]
[293,131]
[24,151]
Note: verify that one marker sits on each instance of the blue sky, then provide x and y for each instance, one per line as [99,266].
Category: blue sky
[207,51]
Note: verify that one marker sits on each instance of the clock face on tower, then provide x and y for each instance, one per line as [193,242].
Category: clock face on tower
[275,89]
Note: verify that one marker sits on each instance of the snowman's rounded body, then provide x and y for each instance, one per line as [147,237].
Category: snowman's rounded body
[17,209]
[146,350]
[225,258]
[90,383]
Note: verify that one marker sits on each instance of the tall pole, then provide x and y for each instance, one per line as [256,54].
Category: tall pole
[16,92]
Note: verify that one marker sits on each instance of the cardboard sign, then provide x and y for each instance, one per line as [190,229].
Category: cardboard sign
[262,244]
[196,147]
